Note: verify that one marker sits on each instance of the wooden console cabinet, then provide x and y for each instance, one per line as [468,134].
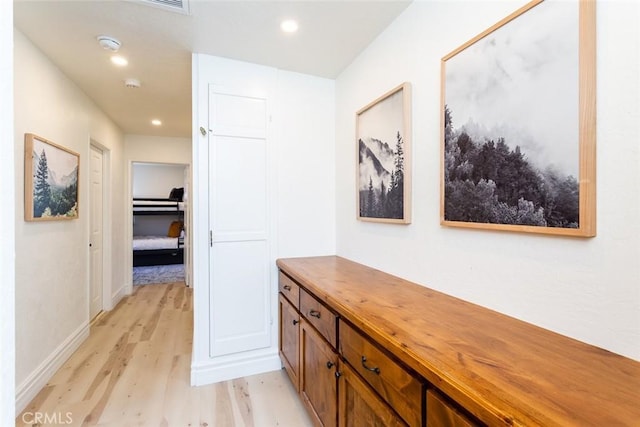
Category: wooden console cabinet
[365,348]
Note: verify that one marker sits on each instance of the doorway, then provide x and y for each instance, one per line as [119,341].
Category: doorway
[160,223]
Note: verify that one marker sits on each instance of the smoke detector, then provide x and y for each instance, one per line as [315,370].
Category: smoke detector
[132,83]
[109,43]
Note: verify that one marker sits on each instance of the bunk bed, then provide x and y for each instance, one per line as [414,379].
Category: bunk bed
[164,249]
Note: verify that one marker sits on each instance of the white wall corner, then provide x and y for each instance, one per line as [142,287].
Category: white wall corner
[199,221]
[32,385]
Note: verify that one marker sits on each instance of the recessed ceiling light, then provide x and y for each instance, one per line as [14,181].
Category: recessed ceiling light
[156,122]
[289,26]
[118,60]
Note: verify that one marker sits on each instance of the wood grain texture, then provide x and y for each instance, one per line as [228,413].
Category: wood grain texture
[502,370]
[403,391]
[587,116]
[319,316]
[289,344]
[318,383]
[289,289]
[441,414]
[359,406]
[134,369]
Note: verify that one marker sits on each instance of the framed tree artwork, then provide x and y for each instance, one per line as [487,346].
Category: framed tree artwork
[383,143]
[51,180]
[518,124]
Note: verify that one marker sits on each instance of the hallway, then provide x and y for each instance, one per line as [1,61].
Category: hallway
[134,370]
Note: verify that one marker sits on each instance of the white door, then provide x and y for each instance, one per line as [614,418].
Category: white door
[238,219]
[95,235]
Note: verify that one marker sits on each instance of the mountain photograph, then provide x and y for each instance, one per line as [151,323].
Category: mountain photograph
[512,144]
[381,159]
[54,181]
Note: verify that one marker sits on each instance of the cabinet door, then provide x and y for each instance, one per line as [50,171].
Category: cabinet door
[442,414]
[359,405]
[290,340]
[318,382]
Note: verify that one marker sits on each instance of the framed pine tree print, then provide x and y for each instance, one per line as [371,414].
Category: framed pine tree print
[518,133]
[51,180]
[383,144]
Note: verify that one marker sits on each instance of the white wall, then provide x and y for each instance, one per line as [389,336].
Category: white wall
[157,149]
[305,164]
[584,288]
[7,233]
[156,179]
[302,137]
[52,308]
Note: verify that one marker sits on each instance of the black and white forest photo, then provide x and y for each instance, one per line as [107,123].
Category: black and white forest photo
[511,123]
[383,179]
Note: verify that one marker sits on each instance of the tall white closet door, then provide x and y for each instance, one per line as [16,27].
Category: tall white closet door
[239,222]
[96,237]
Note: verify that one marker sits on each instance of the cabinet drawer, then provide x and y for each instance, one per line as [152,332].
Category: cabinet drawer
[289,289]
[403,391]
[441,414]
[319,316]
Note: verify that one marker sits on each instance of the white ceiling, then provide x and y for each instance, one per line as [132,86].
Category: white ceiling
[158,44]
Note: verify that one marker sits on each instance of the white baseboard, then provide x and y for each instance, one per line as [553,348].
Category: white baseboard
[214,371]
[118,295]
[31,386]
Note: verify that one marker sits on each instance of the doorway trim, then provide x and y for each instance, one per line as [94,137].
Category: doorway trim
[128,273]
[107,267]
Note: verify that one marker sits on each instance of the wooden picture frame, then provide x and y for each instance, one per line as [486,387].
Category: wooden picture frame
[51,178]
[518,124]
[383,149]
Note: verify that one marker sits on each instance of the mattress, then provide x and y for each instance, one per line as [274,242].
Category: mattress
[145,243]
[160,206]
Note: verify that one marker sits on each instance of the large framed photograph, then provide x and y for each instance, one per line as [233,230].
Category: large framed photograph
[518,124]
[51,180]
[383,135]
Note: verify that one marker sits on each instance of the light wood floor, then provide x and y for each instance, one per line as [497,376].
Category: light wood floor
[134,368]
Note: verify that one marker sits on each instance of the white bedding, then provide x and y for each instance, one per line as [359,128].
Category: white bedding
[156,206]
[145,243]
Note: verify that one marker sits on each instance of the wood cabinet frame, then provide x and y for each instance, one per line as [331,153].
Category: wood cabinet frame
[494,370]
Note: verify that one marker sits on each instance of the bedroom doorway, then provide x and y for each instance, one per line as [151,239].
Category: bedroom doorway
[159,222]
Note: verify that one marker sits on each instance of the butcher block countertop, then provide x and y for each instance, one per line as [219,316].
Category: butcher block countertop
[502,370]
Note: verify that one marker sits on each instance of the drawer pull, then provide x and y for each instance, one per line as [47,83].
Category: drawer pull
[375,370]
[295,322]
[314,313]
[287,287]
[330,365]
